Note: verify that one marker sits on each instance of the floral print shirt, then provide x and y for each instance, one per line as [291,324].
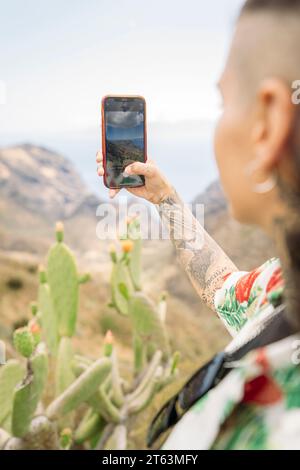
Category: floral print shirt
[247,294]
[257,405]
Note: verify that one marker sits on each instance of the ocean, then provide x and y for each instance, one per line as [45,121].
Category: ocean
[183,151]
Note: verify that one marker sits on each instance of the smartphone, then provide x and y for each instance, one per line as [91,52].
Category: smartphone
[123,139]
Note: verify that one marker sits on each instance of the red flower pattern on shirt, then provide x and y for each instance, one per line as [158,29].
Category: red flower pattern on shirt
[244,285]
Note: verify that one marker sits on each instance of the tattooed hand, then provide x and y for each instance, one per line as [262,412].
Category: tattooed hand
[201,257]
[156,187]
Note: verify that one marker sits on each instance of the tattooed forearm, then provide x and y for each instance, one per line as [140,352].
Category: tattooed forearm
[204,261]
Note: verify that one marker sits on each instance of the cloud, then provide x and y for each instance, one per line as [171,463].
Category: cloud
[124,118]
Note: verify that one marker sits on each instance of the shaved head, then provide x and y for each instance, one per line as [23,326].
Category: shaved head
[268,5]
[257,140]
[267,42]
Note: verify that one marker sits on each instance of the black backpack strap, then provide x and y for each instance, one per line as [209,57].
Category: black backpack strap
[275,329]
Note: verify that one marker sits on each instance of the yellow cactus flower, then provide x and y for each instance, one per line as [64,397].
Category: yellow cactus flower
[109,337]
[59,227]
[127,246]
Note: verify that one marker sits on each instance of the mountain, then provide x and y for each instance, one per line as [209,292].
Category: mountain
[213,200]
[139,142]
[42,182]
[123,152]
[37,188]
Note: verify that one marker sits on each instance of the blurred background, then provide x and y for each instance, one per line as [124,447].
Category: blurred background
[58,59]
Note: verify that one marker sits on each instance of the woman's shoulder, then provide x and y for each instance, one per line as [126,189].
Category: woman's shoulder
[245,294]
[255,406]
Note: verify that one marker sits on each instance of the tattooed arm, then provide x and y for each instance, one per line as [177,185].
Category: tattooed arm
[201,257]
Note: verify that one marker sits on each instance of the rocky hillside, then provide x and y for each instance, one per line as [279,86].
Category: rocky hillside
[38,187]
[42,182]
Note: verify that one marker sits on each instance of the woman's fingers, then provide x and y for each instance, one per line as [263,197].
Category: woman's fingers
[147,169]
[99,160]
[113,192]
[138,168]
[99,157]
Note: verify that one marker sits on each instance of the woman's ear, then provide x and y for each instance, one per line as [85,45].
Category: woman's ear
[274,123]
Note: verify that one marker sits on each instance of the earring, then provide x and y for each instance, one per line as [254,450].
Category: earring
[266,186]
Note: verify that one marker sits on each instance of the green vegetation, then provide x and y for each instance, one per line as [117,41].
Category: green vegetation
[52,397]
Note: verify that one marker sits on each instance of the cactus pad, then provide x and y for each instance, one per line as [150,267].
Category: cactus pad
[64,371]
[121,287]
[80,390]
[10,375]
[147,324]
[28,394]
[24,341]
[48,318]
[63,281]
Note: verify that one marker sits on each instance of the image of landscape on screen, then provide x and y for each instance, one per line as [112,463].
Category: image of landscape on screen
[124,137]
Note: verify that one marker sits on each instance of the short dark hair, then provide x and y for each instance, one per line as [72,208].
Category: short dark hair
[270,5]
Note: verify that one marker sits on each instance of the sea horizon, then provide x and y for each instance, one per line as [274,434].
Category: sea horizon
[182,150]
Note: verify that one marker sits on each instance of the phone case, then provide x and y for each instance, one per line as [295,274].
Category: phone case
[103,135]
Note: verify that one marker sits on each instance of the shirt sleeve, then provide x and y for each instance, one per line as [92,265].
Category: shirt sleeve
[245,294]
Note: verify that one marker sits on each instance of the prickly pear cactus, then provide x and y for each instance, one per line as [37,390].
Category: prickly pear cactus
[135,265]
[10,375]
[47,314]
[28,394]
[81,384]
[147,318]
[121,287]
[147,324]
[24,341]
[80,390]
[66,438]
[64,371]
[91,424]
[63,280]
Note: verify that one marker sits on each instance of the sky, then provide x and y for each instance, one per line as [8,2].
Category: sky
[59,58]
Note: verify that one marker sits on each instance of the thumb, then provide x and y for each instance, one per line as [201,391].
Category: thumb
[138,168]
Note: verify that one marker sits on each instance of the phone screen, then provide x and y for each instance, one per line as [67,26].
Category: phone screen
[124,120]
